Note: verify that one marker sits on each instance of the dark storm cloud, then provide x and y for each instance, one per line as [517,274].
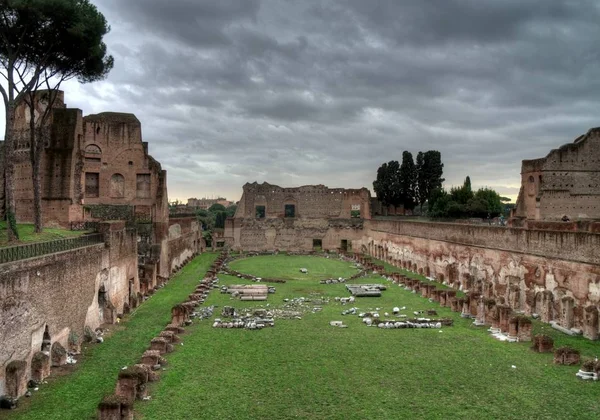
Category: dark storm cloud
[299,92]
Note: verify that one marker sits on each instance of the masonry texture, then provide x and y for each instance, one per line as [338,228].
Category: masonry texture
[564,183]
[553,274]
[60,294]
[272,217]
[551,268]
[94,169]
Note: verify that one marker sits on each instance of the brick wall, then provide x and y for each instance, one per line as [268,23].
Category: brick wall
[60,292]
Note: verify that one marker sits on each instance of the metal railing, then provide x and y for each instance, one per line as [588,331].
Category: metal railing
[21,252]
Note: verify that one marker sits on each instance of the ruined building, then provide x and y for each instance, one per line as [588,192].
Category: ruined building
[95,172]
[313,216]
[564,183]
[550,268]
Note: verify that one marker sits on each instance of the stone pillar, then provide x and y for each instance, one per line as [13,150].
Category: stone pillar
[161,344]
[494,318]
[179,314]
[513,327]
[473,301]
[466,307]
[443,298]
[504,313]
[450,294]
[480,318]
[543,343]
[16,378]
[567,356]
[525,329]
[40,367]
[489,307]
[456,304]
[514,296]
[590,322]
[115,407]
[543,305]
[58,355]
[566,311]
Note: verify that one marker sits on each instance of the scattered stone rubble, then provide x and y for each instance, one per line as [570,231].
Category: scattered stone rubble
[365,290]
[258,292]
[590,370]
[132,381]
[251,319]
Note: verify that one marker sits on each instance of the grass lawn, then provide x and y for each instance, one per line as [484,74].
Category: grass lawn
[76,396]
[308,369]
[288,267]
[26,234]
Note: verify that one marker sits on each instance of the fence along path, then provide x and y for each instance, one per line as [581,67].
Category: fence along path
[21,252]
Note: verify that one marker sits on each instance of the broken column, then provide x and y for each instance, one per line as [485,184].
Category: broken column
[590,322]
[456,304]
[489,307]
[161,344]
[450,294]
[480,317]
[58,355]
[40,366]
[179,314]
[566,311]
[543,305]
[542,344]
[525,328]
[115,407]
[443,298]
[504,313]
[16,378]
[566,356]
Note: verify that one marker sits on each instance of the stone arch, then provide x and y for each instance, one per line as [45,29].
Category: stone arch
[117,186]
[46,340]
[93,149]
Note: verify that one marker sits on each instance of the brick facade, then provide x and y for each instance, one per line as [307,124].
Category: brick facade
[564,183]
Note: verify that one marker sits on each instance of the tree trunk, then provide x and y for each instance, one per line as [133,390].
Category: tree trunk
[9,173]
[36,141]
[36,163]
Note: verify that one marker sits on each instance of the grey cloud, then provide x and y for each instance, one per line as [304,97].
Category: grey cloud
[324,92]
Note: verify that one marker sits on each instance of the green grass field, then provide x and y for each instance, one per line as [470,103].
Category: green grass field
[310,370]
[27,235]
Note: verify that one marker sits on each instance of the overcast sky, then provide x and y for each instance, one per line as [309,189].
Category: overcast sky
[322,92]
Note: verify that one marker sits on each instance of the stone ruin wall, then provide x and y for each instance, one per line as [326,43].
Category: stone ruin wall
[290,234]
[320,213]
[565,182]
[553,274]
[311,201]
[61,292]
[185,241]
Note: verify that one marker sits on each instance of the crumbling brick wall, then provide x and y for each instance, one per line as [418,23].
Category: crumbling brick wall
[564,183]
[553,274]
[60,292]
